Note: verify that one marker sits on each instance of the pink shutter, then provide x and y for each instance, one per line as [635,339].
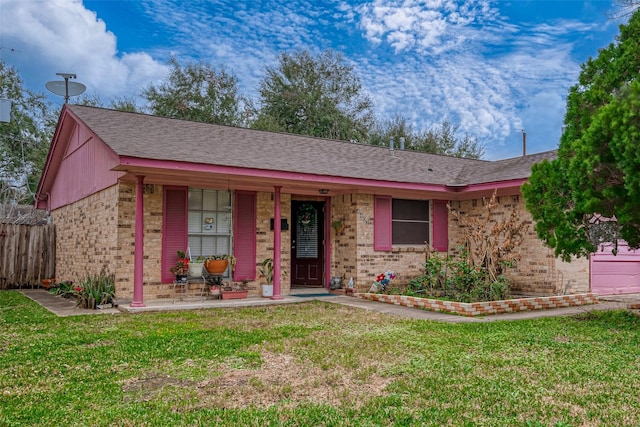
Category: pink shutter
[382,223]
[244,235]
[174,229]
[440,241]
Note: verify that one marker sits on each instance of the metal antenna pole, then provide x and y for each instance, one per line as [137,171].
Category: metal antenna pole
[66,77]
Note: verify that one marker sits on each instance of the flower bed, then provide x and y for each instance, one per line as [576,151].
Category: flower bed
[486,307]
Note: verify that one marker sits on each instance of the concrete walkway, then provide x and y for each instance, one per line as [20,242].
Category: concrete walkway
[64,307]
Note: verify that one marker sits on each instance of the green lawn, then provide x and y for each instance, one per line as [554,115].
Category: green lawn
[314,364]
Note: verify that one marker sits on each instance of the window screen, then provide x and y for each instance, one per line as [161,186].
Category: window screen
[209,222]
[410,222]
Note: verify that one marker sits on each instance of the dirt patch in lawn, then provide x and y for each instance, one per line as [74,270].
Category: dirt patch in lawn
[280,379]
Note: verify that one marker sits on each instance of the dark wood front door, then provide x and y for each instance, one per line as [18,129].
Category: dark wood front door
[307,243]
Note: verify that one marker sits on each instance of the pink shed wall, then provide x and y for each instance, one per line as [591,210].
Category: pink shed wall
[85,169]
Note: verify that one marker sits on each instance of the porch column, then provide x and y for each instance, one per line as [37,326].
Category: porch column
[138,249]
[276,244]
[327,241]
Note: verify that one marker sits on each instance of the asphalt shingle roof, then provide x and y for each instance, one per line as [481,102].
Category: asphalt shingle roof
[152,137]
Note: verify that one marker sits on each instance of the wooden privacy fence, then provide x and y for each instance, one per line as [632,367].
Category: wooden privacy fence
[27,254]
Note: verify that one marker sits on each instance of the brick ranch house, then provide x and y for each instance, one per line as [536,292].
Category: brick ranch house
[127,190]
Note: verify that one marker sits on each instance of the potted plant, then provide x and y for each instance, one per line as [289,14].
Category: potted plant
[235,291]
[48,283]
[338,225]
[217,264]
[266,271]
[181,268]
[195,267]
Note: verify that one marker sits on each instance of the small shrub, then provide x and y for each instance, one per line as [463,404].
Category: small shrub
[457,280]
[64,289]
[95,290]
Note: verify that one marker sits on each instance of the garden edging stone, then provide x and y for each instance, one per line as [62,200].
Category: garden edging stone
[485,307]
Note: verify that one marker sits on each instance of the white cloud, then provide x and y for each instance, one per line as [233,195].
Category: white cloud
[51,36]
[427,59]
[420,24]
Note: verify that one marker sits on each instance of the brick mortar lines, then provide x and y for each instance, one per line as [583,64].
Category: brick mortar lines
[485,307]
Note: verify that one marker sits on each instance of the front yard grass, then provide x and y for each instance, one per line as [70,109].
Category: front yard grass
[314,364]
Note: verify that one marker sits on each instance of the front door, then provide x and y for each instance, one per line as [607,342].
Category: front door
[307,240]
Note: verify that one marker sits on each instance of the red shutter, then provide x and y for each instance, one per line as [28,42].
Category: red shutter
[440,241]
[382,223]
[244,235]
[174,229]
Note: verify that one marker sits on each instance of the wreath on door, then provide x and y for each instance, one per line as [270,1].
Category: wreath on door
[306,216]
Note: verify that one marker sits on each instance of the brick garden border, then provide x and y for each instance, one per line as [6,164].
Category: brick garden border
[487,307]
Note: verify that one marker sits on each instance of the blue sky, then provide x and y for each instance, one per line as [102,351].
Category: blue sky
[490,67]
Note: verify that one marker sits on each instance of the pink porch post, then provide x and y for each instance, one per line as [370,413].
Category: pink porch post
[138,260]
[277,294]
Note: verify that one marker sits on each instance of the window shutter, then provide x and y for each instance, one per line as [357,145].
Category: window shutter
[382,223]
[174,230]
[440,213]
[244,235]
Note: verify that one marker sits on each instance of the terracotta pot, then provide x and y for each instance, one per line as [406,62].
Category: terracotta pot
[234,294]
[216,266]
[48,283]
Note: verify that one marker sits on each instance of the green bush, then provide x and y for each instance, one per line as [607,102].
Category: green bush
[457,280]
[96,289]
[64,289]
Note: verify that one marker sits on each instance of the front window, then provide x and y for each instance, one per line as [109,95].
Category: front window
[410,222]
[209,222]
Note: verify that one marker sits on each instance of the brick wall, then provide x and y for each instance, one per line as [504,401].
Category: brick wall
[264,239]
[153,286]
[86,240]
[538,272]
[352,250]
[98,231]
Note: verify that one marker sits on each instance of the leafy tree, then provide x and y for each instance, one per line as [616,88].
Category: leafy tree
[24,141]
[598,166]
[124,103]
[441,139]
[317,96]
[200,93]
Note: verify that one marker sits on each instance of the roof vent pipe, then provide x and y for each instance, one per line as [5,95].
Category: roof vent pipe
[402,142]
[391,145]
[524,142]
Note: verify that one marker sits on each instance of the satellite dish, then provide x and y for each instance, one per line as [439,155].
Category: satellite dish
[66,88]
[5,110]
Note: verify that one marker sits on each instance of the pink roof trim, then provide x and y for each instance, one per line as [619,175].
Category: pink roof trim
[263,173]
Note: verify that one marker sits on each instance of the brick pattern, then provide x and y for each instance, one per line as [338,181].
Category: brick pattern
[99,230]
[343,244]
[87,235]
[85,238]
[264,240]
[538,272]
[485,308]
[352,251]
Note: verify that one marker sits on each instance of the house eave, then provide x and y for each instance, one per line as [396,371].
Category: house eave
[236,178]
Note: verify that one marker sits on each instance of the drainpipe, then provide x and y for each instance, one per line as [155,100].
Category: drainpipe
[277,253]
[138,260]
